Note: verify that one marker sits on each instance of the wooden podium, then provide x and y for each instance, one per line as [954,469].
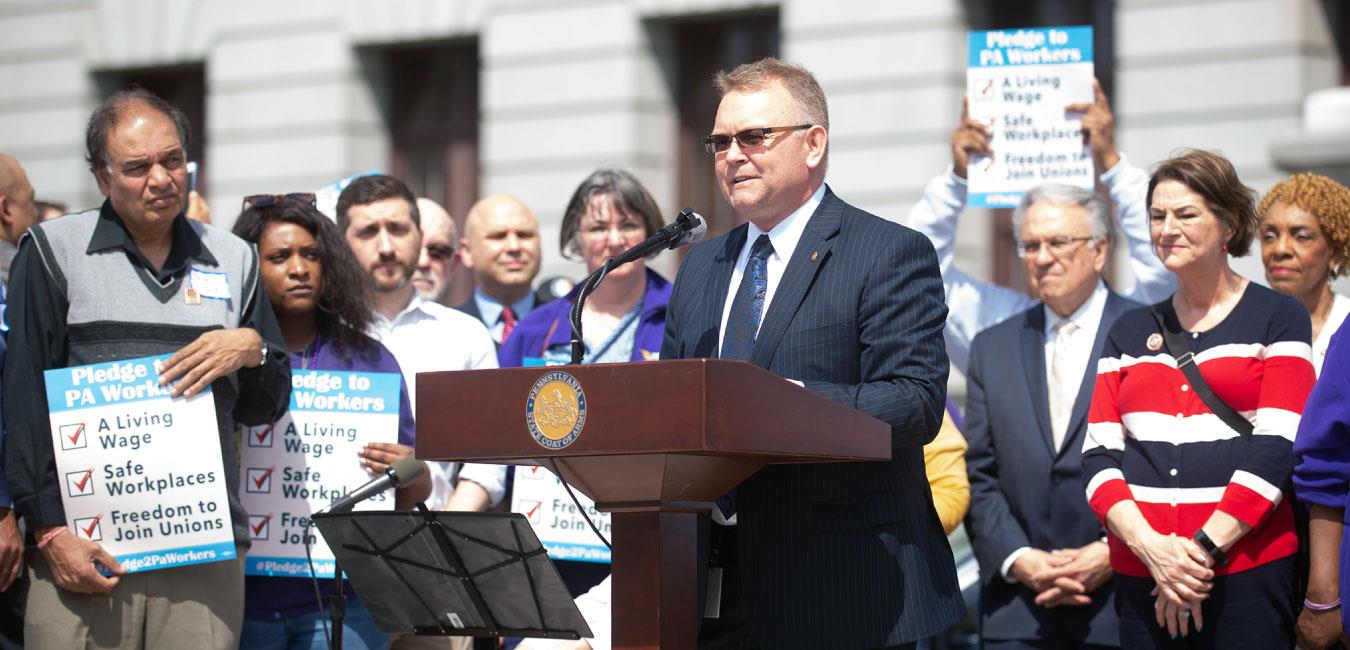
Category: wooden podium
[660,441]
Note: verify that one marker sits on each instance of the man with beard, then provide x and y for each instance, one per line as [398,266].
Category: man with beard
[379,217]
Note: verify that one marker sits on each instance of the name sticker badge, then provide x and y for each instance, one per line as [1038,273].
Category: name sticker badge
[210,284]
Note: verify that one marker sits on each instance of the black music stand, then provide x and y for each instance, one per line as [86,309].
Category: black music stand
[452,573]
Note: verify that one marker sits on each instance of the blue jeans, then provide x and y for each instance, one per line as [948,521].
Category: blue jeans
[306,632]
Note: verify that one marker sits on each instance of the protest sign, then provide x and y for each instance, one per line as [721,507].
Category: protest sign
[308,459]
[1018,83]
[541,497]
[140,472]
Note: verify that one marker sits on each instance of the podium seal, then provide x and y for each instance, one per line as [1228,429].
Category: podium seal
[556,410]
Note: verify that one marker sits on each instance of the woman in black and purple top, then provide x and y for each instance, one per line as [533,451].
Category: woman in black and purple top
[322,303]
[1201,535]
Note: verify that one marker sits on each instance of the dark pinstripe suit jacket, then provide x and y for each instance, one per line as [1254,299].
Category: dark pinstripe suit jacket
[840,555]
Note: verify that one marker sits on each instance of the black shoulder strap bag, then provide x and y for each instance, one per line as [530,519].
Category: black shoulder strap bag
[1181,351]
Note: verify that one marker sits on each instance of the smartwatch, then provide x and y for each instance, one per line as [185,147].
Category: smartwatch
[1215,553]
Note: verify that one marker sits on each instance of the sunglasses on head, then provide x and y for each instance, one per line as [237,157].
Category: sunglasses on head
[266,200]
[718,143]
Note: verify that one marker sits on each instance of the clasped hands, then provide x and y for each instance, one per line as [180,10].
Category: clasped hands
[1184,577]
[1064,577]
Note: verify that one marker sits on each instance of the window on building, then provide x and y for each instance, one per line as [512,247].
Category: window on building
[1338,23]
[183,86]
[1011,14]
[433,121]
[701,47]
[430,96]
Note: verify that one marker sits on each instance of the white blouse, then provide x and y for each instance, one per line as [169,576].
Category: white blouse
[1340,308]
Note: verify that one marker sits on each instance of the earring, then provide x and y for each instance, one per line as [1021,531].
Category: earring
[1225,248]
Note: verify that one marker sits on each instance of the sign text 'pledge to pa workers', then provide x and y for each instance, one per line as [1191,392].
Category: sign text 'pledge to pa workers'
[141,472]
[1018,84]
[307,459]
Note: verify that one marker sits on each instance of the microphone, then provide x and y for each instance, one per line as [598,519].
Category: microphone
[401,471]
[688,228]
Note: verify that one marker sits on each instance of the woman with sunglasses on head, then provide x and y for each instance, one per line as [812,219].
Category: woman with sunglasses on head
[1186,456]
[1305,243]
[322,302]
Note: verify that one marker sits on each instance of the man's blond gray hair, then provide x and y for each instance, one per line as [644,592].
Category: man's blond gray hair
[798,81]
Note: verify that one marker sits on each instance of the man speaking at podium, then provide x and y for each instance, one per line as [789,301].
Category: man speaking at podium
[849,305]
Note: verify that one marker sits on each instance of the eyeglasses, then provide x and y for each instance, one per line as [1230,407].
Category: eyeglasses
[600,230]
[267,200]
[1058,246]
[717,143]
[440,252]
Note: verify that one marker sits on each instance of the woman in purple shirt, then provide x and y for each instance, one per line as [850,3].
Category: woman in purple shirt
[625,318]
[322,301]
[1322,480]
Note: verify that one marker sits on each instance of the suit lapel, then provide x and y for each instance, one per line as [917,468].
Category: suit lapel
[715,297]
[1115,305]
[813,249]
[1033,363]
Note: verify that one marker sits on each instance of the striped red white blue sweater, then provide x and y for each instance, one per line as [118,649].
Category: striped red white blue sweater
[1150,439]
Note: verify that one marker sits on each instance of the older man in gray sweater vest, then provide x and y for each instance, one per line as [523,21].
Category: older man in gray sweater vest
[106,285]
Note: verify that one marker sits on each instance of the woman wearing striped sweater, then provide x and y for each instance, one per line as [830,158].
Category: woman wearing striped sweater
[1201,538]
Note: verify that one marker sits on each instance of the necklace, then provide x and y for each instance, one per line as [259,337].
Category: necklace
[309,350]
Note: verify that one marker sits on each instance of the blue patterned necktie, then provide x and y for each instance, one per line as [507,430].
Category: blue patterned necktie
[743,325]
[748,306]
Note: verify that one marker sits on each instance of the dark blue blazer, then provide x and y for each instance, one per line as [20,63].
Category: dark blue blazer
[840,555]
[1022,491]
[470,307]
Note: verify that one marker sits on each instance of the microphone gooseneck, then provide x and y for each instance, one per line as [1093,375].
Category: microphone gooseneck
[688,228]
[400,472]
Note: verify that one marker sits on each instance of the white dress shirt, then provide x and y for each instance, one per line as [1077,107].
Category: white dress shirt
[1088,318]
[784,238]
[429,337]
[974,306]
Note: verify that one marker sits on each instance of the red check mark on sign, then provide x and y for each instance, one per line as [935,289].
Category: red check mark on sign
[75,437]
[531,514]
[262,478]
[266,431]
[89,532]
[257,530]
[79,485]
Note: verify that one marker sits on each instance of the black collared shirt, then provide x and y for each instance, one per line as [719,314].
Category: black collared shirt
[39,340]
[111,232]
